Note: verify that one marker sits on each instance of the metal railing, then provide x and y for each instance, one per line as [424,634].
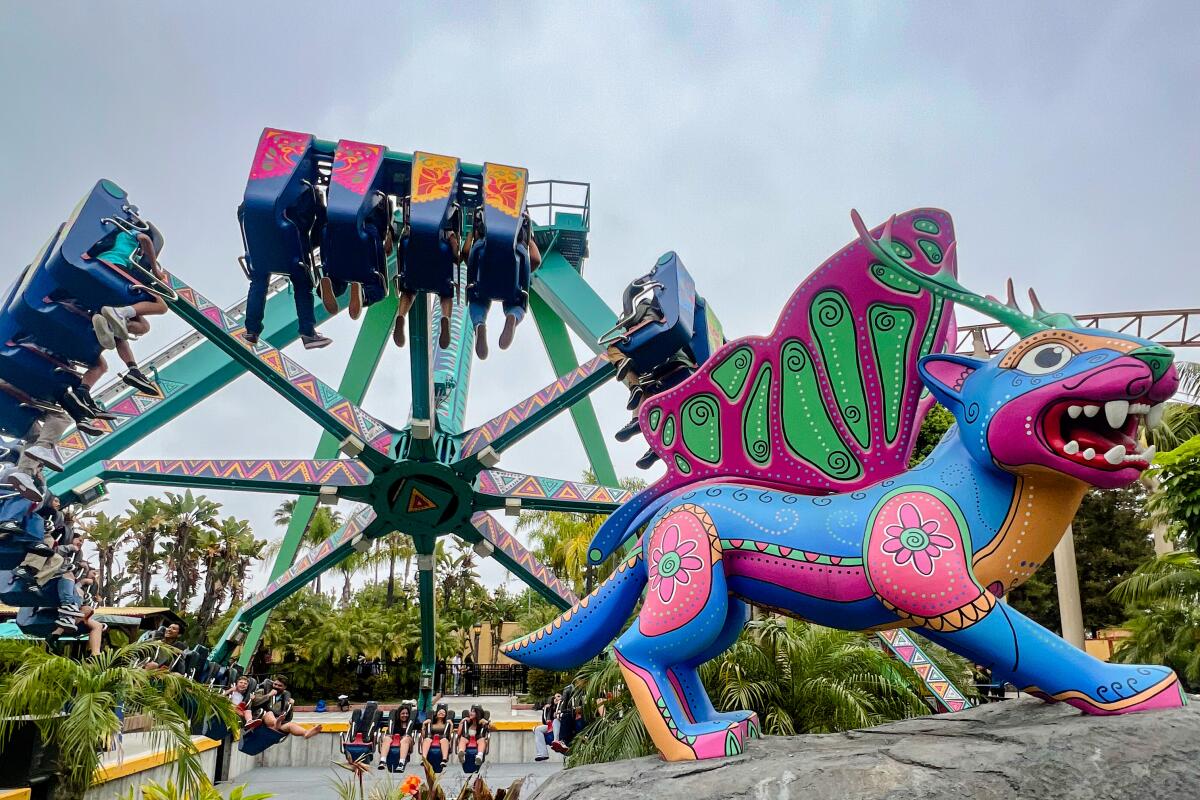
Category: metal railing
[543,213]
[1179,327]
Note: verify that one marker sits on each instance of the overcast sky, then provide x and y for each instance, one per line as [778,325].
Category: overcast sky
[1062,137]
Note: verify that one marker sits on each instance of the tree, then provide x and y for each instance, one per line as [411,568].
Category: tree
[185,516]
[108,535]
[1177,498]
[144,522]
[1163,596]
[933,429]
[1111,539]
[226,551]
[95,688]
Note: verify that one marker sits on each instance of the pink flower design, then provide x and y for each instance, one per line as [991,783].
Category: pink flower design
[671,564]
[915,540]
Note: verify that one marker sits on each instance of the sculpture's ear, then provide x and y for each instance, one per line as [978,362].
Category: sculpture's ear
[945,374]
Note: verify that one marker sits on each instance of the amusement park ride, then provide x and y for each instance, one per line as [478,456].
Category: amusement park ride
[364,227]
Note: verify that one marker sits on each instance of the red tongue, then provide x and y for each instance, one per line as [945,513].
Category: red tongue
[1088,438]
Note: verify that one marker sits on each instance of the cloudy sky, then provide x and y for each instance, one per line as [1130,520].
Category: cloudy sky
[1064,139]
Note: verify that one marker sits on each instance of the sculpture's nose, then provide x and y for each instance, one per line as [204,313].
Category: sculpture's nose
[1156,357]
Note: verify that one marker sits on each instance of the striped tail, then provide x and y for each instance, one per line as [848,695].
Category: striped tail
[583,630]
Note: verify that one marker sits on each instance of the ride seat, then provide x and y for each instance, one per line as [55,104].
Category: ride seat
[432,218]
[660,327]
[281,215]
[358,217]
[498,264]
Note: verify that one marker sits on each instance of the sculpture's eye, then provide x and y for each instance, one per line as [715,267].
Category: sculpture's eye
[1044,358]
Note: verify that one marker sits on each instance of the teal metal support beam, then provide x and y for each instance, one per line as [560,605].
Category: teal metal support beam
[427,602]
[573,300]
[421,425]
[452,366]
[373,336]
[562,358]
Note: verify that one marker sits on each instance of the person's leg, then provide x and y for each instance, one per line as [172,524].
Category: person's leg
[402,306]
[39,444]
[256,304]
[95,634]
[406,744]
[133,374]
[445,749]
[296,729]
[513,314]
[478,310]
[306,317]
[541,749]
[447,305]
[425,744]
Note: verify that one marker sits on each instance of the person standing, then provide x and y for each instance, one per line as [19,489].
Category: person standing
[456,669]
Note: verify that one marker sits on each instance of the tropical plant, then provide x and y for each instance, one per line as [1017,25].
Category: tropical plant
[75,703]
[798,678]
[184,517]
[144,523]
[225,552]
[206,791]
[108,535]
[1177,499]
[1163,597]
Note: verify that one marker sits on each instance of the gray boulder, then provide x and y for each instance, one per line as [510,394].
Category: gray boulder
[1015,749]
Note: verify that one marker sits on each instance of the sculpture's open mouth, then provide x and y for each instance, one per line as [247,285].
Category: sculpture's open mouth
[1102,434]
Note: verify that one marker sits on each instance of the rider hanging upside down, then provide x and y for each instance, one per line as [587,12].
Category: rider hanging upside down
[514,312]
[115,325]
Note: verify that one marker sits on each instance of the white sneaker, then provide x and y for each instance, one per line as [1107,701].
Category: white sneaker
[119,324]
[104,332]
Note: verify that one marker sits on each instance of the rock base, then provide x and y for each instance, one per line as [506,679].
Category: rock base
[1016,749]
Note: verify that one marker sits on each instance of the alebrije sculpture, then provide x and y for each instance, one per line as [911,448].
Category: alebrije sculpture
[787,487]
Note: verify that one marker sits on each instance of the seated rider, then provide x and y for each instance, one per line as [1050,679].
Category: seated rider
[402,733]
[274,703]
[114,325]
[36,454]
[436,732]
[473,732]
[513,312]
[548,729]
[164,657]
[450,236]
[239,695]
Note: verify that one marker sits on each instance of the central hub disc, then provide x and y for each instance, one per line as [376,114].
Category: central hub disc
[429,498]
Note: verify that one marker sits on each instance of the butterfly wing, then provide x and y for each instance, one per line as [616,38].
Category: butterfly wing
[829,402]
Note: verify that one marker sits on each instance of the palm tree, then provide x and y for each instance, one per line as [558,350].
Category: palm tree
[74,705]
[143,522]
[321,525]
[1163,596]
[108,535]
[388,550]
[225,551]
[185,516]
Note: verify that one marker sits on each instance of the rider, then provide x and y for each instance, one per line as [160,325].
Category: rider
[239,695]
[406,728]
[114,325]
[473,730]
[513,312]
[439,728]
[274,702]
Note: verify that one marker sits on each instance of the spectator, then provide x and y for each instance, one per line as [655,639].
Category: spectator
[456,669]
[471,675]
[547,732]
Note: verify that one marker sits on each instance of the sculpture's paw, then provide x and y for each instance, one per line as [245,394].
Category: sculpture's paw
[1126,688]
[722,738]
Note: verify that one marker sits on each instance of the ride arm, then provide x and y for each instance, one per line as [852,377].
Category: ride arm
[495,489]
[492,538]
[485,443]
[352,537]
[314,477]
[356,429]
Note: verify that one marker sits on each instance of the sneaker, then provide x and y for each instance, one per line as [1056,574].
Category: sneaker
[631,429]
[85,396]
[382,765]
[356,300]
[104,332]
[250,338]
[90,427]
[462,757]
[647,460]
[118,324]
[138,380]
[328,298]
[66,624]
[46,456]
[254,725]
[74,406]
[26,576]
[481,341]
[559,747]
[316,341]
[398,331]
[25,486]
[636,395]
[444,333]
[541,758]
[510,330]
[624,368]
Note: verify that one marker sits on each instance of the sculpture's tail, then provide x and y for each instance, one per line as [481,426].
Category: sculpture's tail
[583,630]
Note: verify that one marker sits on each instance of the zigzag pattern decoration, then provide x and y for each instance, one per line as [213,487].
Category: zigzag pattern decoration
[453,364]
[376,434]
[489,431]
[515,484]
[902,645]
[357,523]
[327,472]
[500,538]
